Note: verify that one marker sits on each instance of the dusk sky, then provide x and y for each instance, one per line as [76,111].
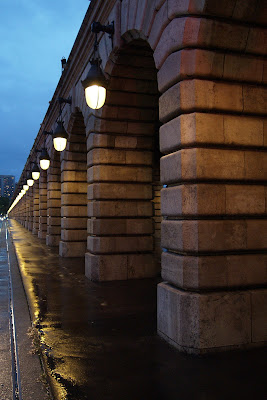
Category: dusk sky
[34,36]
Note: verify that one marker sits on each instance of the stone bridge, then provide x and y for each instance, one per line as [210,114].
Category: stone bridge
[175,159]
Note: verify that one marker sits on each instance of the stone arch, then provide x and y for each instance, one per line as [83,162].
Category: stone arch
[123,170]
[74,190]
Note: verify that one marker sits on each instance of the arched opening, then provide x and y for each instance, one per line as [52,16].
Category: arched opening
[123,171]
[74,191]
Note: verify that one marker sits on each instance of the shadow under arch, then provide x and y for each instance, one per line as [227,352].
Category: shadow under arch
[74,190]
[123,173]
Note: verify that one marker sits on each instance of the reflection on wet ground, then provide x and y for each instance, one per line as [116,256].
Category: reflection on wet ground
[100,339]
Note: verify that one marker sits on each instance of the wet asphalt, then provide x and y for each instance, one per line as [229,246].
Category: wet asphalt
[99,340]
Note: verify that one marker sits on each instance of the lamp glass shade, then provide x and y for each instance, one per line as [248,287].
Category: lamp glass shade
[23,192]
[30,181]
[60,143]
[25,187]
[35,175]
[44,164]
[95,96]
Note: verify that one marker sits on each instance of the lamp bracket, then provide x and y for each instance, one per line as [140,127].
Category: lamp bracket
[97,27]
[61,100]
[47,133]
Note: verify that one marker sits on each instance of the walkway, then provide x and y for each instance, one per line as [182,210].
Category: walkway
[20,369]
[99,339]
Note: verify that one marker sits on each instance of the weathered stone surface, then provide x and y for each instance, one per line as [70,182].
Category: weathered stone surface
[52,240]
[122,226]
[119,244]
[201,128]
[198,322]
[68,235]
[73,223]
[213,235]
[200,163]
[111,208]
[73,211]
[212,199]
[259,312]
[72,249]
[119,266]
[119,191]
[76,199]
[106,173]
[207,272]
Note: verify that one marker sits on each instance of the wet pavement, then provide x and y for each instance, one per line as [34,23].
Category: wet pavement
[20,369]
[99,340]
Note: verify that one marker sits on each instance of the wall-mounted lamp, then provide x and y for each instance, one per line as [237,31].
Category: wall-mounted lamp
[95,83]
[44,159]
[60,135]
[30,180]
[25,187]
[35,172]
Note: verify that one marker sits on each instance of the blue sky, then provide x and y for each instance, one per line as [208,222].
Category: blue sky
[34,36]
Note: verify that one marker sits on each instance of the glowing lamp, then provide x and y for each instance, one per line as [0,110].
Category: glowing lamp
[60,137]
[44,159]
[35,172]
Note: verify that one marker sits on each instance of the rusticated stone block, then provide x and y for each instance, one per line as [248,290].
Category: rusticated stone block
[119,191]
[96,140]
[160,22]
[210,235]
[195,94]
[244,199]
[74,223]
[54,194]
[105,268]
[123,157]
[72,166]
[121,226]
[73,211]
[259,312]
[52,240]
[198,323]
[119,266]
[53,229]
[73,176]
[42,234]
[72,249]
[119,244]
[119,173]
[257,233]
[53,203]
[71,156]
[120,208]
[188,63]
[74,187]
[226,200]
[220,164]
[73,199]
[54,221]
[68,235]
[53,186]
[201,128]
[200,32]
[211,272]
[53,212]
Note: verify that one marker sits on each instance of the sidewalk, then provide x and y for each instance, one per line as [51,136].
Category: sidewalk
[99,340]
[28,367]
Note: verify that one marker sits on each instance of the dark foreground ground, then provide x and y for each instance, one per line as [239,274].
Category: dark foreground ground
[99,340]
